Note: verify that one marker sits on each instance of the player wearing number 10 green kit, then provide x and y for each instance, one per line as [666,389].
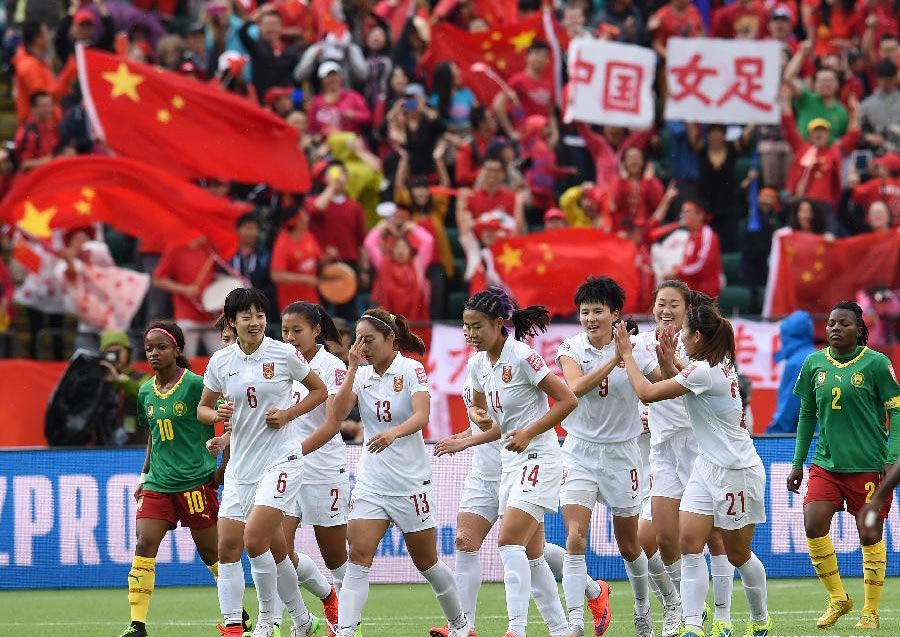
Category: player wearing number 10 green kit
[851,391]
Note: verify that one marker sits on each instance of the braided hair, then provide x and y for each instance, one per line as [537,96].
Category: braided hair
[850,306]
[496,303]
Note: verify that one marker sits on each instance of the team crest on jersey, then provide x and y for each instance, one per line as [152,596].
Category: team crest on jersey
[180,408]
[339,376]
[269,370]
[150,410]
[820,379]
[536,362]
[506,376]
[857,379]
[398,384]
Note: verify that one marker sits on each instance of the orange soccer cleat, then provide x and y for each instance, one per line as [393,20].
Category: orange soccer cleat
[600,610]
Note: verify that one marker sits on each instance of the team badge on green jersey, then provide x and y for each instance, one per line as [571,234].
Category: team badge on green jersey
[857,379]
[150,410]
[180,408]
[820,379]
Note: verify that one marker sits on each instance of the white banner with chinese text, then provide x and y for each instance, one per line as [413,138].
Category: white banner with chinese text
[610,83]
[723,81]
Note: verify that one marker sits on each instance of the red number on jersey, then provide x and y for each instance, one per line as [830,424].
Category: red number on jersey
[635,483]
[424,508]
[730,498]
[281,485]
[383,410]
[494,400]
[604,387]
[251,397]
[335,494]
[530,477]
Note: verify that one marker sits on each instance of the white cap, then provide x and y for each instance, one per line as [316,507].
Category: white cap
[328,67]
[386,209]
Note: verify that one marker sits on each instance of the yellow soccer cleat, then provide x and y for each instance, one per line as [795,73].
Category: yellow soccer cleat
[834,612]
[868,619]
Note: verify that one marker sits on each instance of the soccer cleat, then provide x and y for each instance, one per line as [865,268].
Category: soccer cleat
[330,607]
[759,630]
[137,629]
[834,612]
[576,630]
[643,625]
[310,628]
[672,619]
[463,632]
[868,619]
[510,633]
[276,631]
[599,607]
[439,631]
[690,631]
[705,612]
[232,631]
[720,629]
[263,629]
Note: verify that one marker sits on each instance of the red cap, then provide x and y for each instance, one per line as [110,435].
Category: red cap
[891,161]
[554,213]
[84,15]
[276,93]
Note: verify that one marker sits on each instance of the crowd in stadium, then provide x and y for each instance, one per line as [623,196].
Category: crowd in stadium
[413,177]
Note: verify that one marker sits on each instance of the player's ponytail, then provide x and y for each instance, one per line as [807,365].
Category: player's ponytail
[496,303]
[718,335]
[386,324]
[696,299]
[174,333]
[863,336]
[316,316]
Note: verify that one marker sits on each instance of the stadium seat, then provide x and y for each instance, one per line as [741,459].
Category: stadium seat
[735,299]
[731,267]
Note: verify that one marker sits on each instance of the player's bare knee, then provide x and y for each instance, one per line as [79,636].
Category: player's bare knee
[255,543]
[576,539]
[363,558]
[466,542]
[737,555]
[208,554]
[629,548]
[146,546]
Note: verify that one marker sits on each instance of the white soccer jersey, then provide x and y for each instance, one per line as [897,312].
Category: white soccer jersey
[716,414]
[486,457]
[667,417]
[609,413]
[328,464]
[257,383]
[404,468]
[513,397]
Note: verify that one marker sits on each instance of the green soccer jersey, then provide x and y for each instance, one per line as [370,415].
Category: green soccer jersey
[853,396]
[179,460]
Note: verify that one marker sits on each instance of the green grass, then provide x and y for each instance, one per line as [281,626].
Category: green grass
[392,611]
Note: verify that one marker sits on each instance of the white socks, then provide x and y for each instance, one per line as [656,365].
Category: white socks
[554,554]
[674,571]
[574,574]
[311,577]
[230,586]
[546,597]
[442,583]
[517,582]
[660,581]
[694,586]
[354,594]
[264,572]
[723,583]
[637,575]
[337,577]
[753,577]
[289,594]
[468,582]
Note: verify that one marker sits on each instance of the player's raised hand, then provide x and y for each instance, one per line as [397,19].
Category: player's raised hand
[794,480]
[622,339]
[355,354]
[667,343]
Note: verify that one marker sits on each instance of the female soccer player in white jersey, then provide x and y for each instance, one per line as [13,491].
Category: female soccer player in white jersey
[479,510]
[673,449]
[726,489]
[511,384]
[601,455]
[255,377]
[393,477]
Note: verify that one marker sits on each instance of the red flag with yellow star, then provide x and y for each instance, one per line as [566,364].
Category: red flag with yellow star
[809,272]
[188,127]
[501,49]
[545,268]
[132,197]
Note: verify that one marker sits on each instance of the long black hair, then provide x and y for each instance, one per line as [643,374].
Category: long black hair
[497,303]
[386,324]
[863,337]
[718,336]
[442,85]
[316,316]
[171,328]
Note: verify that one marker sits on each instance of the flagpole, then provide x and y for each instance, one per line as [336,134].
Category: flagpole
[86,96]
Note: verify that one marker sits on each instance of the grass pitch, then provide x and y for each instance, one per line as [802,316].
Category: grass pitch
[397,611]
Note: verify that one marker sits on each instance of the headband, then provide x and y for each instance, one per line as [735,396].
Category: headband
[375,318]
[164,331]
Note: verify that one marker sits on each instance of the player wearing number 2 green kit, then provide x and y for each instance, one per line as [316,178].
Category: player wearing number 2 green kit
[852,392]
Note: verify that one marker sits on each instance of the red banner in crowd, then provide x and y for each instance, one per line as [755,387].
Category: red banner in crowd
[135,198]
[545,268]
[809,272]
[194,129]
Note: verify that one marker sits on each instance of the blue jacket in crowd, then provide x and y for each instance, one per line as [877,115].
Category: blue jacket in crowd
[796,344]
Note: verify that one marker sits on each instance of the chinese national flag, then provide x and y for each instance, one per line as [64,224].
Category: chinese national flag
[808,272]
[497,12]
[545,268]
[501,48]
[132,197]
[188,127]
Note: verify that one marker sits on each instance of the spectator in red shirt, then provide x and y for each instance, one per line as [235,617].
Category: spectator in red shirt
[677,18]
[884,186]
[745,19]
[470,155]
[533,93]
[635,194]
[701,268]
[398,285]
[490,197]
[295,262]
[184,272]
[336,221]
[32,72]
[816,170]
[37,139]
[337,108]
[542,172]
